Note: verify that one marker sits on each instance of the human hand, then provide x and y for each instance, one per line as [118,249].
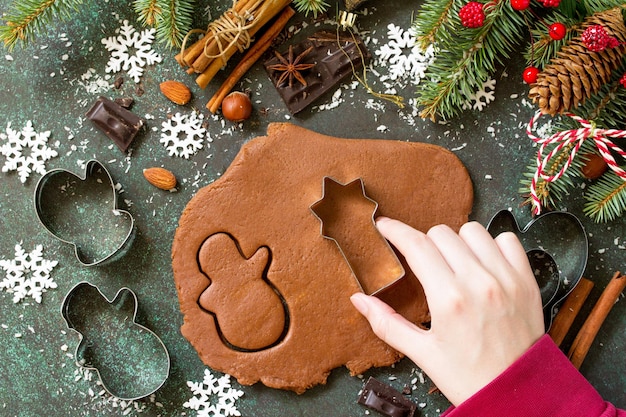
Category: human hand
[483,298]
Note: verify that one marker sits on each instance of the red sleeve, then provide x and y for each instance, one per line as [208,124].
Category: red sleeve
[541,383]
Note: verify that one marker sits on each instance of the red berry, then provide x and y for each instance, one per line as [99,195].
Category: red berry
[472,15]
[530,75]
[622,80]
[597,39]
[550,3]
[557,31]
[520,4]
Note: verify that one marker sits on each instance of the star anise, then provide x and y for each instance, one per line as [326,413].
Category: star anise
[291,67]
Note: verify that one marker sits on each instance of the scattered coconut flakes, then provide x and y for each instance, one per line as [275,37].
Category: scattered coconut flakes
[93,83]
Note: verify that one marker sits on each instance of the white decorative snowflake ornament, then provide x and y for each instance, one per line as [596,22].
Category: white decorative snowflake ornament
[213,397]
[27,274]
[131,50]
[481,98]
[25,151]
[403,56]
[183,135]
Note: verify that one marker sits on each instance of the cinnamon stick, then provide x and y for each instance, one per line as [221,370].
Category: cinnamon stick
[193,52]
[189,55]
[569,310]
[270,10]
[253,54]
[211,47]
[598,314]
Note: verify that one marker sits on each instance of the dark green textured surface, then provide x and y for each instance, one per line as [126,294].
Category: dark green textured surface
[37,377]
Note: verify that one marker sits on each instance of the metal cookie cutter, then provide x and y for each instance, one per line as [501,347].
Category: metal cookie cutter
[557,248]
[131,361]
[82,211]
[347,214]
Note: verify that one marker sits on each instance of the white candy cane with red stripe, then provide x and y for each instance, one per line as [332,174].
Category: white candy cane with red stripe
[574,137]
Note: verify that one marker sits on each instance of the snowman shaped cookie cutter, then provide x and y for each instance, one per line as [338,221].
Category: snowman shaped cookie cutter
[82,211]
[131,361]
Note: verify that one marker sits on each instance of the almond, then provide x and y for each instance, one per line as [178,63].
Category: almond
[160,178]
[176,91]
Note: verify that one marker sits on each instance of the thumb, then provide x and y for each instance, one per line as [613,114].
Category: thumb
[388,325]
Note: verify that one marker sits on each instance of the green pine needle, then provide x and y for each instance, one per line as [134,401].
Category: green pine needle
[606,199]
[171,18]
[175,21]
[467,57]
[311,6]
[148,11]
[28,18]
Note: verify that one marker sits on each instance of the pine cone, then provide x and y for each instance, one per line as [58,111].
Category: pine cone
[576,73]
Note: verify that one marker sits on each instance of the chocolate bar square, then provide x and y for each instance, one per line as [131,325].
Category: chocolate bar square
[118,123]
[385,399]
[335,58]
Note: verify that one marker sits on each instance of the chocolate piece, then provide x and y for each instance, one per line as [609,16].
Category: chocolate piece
[118,83]
[126,102]
[333,60]
[119,124]
[385,399]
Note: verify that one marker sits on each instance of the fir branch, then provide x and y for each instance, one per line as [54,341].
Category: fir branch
[466,58]
[595,6]
[28,18]
[543,48]
[606,199]
[311,6]
[174,21]
[148,11]
[430,22]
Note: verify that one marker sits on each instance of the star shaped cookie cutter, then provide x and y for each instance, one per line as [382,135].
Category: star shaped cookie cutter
[347,217]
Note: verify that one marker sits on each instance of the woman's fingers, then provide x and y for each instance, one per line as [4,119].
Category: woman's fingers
[421,254]
[389,326]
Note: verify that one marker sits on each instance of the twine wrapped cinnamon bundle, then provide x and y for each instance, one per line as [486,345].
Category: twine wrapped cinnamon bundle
[230,33]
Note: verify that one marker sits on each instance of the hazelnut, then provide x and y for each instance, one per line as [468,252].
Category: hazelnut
[594,166]
[236,106]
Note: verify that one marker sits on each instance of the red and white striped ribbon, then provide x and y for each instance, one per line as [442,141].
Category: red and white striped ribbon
[566,138]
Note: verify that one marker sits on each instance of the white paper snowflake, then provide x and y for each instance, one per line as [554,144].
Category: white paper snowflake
[481,98]
[27,274]
[25,151]
[404,58]
[131,50]
[183,135]
[210,389]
